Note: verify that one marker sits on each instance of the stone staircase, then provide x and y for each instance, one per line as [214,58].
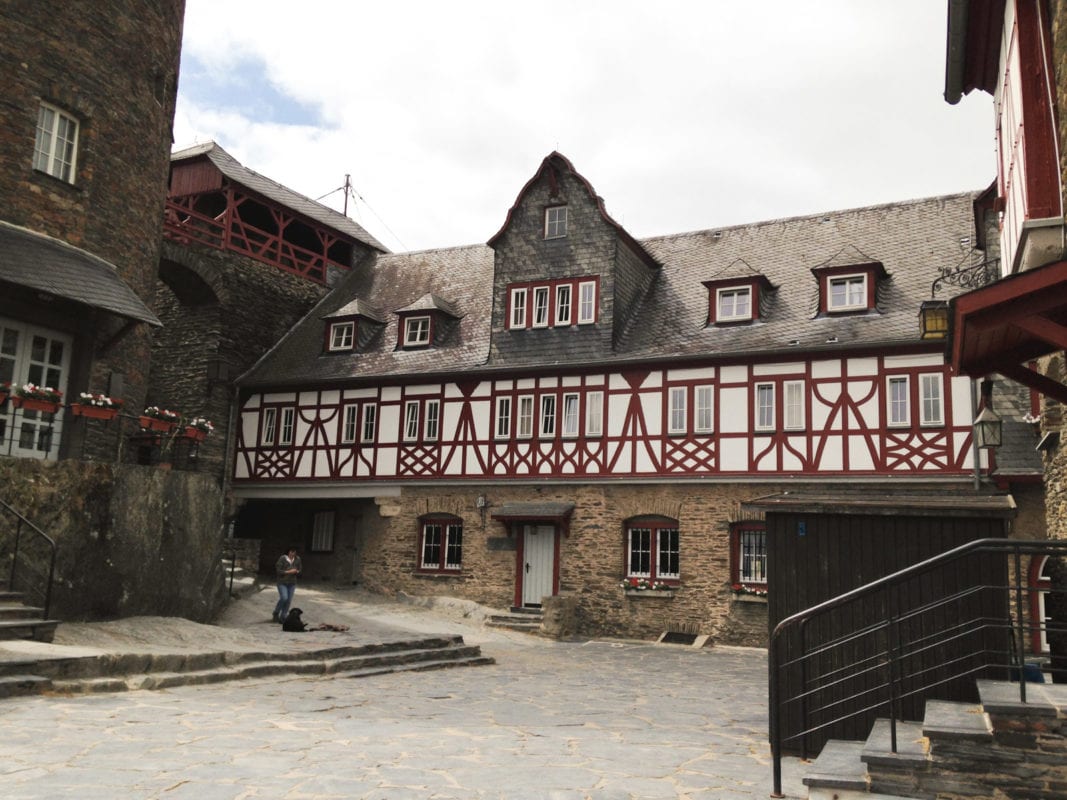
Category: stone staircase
[527,620]
[124,672]
[21,621]
[999,748]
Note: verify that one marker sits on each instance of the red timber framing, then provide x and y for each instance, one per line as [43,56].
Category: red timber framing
[1002,327]
[638,424]
[229,219]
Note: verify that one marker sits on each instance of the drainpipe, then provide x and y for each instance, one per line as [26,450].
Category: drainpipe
[975,452]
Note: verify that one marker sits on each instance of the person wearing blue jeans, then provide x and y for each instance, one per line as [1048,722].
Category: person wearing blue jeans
[287,568]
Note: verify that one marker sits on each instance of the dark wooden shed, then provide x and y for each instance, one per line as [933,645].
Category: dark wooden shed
[821,546]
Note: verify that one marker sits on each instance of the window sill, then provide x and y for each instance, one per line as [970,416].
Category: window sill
[666,594]
[433,575]
[750,598]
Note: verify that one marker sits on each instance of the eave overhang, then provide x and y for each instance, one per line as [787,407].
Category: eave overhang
[1001,327]
[53,267]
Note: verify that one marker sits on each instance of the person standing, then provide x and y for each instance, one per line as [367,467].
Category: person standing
[287,569]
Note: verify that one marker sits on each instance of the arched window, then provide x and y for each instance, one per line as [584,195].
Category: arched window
[653,549]
[440,543]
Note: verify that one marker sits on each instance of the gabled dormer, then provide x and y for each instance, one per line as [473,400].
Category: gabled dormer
[567,277]
[351,327]
[848,283]
[737,294]
[425,323]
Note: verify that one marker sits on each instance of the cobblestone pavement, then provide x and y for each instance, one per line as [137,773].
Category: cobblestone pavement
[549,720]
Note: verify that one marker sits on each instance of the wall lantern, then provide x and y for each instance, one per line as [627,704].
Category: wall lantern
[987,425]
[933,319]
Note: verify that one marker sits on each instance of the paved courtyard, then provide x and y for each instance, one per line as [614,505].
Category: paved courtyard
[598,719]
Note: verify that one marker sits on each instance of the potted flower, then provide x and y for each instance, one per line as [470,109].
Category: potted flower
[31,397]
[198,428]
[155,418]
[95,405]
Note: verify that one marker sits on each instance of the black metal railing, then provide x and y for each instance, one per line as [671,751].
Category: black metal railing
[32,553]
[919,632]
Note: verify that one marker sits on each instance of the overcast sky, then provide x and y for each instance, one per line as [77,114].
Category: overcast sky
[682,115]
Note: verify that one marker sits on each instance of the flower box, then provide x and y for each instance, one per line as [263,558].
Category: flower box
[155,424]
[35,404]
[194,434]
[94,412]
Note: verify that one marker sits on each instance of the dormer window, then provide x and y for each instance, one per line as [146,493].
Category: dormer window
[556,304]
[416,331]
[848,282]
[847,293]
[734,304]
[555,222]
[342,336]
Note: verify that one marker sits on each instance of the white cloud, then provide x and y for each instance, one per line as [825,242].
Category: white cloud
[683,115]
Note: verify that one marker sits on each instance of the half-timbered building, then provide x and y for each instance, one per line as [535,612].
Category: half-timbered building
[570,416]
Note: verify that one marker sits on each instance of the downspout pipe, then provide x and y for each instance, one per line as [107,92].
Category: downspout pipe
[955,50]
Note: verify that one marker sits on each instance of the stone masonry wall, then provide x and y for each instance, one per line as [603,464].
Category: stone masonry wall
[217,306]
[131,540]
[113,64]
[591,558]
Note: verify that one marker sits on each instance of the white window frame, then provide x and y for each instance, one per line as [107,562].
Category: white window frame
[342,335]
[416,335]
[449,533]
[764,412]
[594,413]
[432,421]
[369,428]
[555,222]
[752,555]
[350,424]
[704,409]
[848,282]
[322,527]
[898,409]
[733,294]
[571,416]
[586,302]
[932,403]
[525,418]
[270,425]
[287,428]
[41,356]
[55,149]
[541,310]
[654,544]
[502,428]
[793,405]
[564,303]
[676,409]
[411,420]
[518,308]
[546,424]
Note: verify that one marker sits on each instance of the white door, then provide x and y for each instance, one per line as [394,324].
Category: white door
[538,554]
[29,354]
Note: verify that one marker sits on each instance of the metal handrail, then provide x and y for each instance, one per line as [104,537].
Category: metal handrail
[33,529]
[891,657]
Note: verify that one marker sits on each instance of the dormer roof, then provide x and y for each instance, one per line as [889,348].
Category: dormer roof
[357,308]
[552,168]
[430,302]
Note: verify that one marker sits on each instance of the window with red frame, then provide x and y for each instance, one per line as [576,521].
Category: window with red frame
[748,557]
[440,543]
[652,549]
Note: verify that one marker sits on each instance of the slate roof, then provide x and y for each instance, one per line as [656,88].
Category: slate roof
[911,239]
[262,185]
[36,261]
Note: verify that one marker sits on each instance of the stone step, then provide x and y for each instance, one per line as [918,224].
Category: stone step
[19,611]
[946,721]
[371,664]
[913,749]
[22,685]
[41,630]
[838,767]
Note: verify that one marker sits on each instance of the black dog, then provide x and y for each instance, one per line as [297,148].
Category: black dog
[293,623]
